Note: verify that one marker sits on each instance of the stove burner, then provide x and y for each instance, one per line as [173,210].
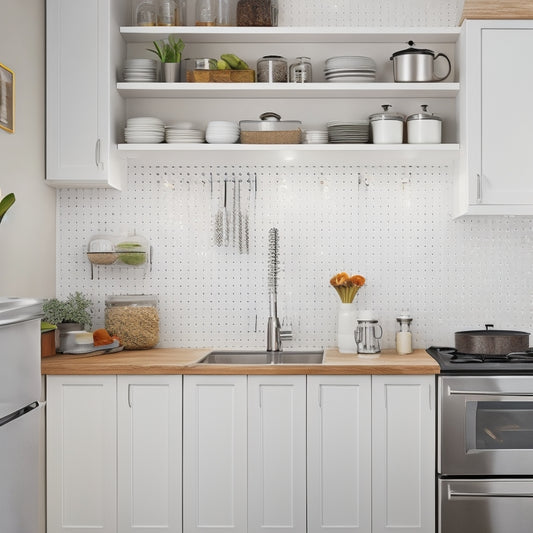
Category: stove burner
[461,358]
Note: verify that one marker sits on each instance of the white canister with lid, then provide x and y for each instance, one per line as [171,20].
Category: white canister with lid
[387,127]
[424,128]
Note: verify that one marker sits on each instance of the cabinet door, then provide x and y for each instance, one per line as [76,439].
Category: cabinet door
[149,453]
[81,453]
[214,454]
[78,85]
[276,454]
[403,454]
[339,433]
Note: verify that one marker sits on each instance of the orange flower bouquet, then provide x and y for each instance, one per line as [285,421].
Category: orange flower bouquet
[347,286]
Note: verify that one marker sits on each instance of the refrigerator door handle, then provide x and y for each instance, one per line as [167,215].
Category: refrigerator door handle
[19,412]
[453,494]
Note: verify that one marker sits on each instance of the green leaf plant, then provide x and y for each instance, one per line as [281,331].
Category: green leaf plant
[168,52]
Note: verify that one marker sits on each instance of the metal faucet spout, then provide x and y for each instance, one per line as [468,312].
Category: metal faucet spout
[273,325]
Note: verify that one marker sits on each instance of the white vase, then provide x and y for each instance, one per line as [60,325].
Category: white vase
[345,328]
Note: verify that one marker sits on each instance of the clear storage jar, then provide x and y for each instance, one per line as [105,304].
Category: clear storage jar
[257,13]
[134,319]
[272,69]
[144,12]
[301,71]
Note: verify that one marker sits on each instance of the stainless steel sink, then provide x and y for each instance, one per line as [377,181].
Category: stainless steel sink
[263,358]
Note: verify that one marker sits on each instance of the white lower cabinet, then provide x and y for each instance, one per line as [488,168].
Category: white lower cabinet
[403,454]
[214,454]
[294,454]
[339,439]
[149,453]
[114,473]
[81,453]
[276,454]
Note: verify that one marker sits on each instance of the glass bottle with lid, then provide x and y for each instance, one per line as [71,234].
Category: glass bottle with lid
[403,336]
[301,71]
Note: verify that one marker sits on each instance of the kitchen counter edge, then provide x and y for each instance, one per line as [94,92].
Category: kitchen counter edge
[165,361]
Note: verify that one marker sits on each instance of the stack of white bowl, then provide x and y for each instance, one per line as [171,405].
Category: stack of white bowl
[140,70]
[358,69]
[144,130]
[183,132]
[222,132]
[314,137]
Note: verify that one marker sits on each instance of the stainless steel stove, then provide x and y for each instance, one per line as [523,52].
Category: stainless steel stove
[453,362]
[484,442]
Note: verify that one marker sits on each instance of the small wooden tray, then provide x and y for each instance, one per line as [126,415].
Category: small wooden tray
[221,76]
[497,9]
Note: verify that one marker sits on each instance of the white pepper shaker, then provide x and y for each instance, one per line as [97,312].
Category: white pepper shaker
[404,344]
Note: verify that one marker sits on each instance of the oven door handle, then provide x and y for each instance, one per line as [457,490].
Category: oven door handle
[488,393]
[453,494]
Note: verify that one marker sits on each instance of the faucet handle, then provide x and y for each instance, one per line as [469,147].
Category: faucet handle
[286,334]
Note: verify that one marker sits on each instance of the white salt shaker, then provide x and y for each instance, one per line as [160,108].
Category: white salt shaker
[404,343]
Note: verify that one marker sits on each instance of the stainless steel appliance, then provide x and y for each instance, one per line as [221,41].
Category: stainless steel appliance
[20,416]
[485,442]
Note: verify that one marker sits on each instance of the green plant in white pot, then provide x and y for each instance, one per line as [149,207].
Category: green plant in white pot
[170,55]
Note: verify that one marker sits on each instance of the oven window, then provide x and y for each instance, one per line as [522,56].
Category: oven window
[499,425]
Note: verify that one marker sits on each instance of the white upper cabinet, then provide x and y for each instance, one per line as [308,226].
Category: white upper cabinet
[496,116]
[83,110]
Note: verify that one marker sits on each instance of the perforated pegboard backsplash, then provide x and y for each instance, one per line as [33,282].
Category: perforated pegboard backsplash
[394,228]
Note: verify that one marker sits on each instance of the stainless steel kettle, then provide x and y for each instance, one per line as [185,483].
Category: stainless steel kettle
[417,65]
[367,336]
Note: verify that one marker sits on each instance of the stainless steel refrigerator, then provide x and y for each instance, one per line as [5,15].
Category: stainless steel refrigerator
[20,416]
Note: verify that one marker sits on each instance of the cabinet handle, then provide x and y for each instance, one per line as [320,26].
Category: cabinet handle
[430,398]
[452,494]
[129,394]
[97,157]
[489,393]
[479,188]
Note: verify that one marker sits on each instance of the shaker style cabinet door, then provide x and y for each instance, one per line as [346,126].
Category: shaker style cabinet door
[214,454]
[403,454]
[276,454]
[79,78]
[149,453]
[496,117]
[339,473]
[81,454]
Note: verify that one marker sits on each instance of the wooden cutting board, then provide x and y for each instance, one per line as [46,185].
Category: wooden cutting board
[497,9]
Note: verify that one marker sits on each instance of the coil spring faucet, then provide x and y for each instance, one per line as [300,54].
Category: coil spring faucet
[273,326]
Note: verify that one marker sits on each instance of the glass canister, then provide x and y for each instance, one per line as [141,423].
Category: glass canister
[134,319]
[166,13]
[301,71]
[180,17]
[206,12]
[271,69]
[257,13]
[226,13]
[144,13]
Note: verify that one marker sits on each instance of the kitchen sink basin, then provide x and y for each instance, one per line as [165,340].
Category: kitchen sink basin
[263,358]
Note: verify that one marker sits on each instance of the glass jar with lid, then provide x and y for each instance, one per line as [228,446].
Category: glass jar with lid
[166,13]
[387,126]
[257,13]
[144,12]
[226,12]
[134,319]
[301,71]
[272,69]
[206,12]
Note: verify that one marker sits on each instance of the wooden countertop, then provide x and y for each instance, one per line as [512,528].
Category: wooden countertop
[183,361]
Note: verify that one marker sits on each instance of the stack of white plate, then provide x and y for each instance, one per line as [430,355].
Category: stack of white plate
[140,70]
[182,132]
[348,132]
[222,132]
[144,130]
[315,137]
[357,69]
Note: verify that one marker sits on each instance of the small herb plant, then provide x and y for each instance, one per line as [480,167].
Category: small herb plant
[168,52]
[74,309]
[6,203]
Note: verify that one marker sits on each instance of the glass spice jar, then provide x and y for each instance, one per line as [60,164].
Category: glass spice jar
[301,71]
[133,319]
[257,13]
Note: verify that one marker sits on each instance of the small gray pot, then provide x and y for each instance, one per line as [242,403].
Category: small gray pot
[170,72]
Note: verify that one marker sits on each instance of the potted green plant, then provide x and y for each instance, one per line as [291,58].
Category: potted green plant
[6,203]
[170,55]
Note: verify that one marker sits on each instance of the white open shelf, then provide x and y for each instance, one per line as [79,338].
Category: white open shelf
[193,34]
[287,90]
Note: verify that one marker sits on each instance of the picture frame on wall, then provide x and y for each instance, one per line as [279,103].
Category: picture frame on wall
[7,99]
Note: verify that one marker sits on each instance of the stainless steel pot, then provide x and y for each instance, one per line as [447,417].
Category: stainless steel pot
[491,341]
[417,65]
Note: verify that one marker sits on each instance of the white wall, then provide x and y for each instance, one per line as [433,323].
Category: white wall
[27,233]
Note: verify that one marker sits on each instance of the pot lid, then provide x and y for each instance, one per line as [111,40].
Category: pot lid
[386,115]
[269,121]
[412,50]
[487,332]
[424,115]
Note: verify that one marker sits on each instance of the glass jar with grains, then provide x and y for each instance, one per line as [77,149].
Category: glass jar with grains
[133,319]
[257,13]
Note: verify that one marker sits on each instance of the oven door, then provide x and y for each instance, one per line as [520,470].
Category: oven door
[485,425]
[498,505]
